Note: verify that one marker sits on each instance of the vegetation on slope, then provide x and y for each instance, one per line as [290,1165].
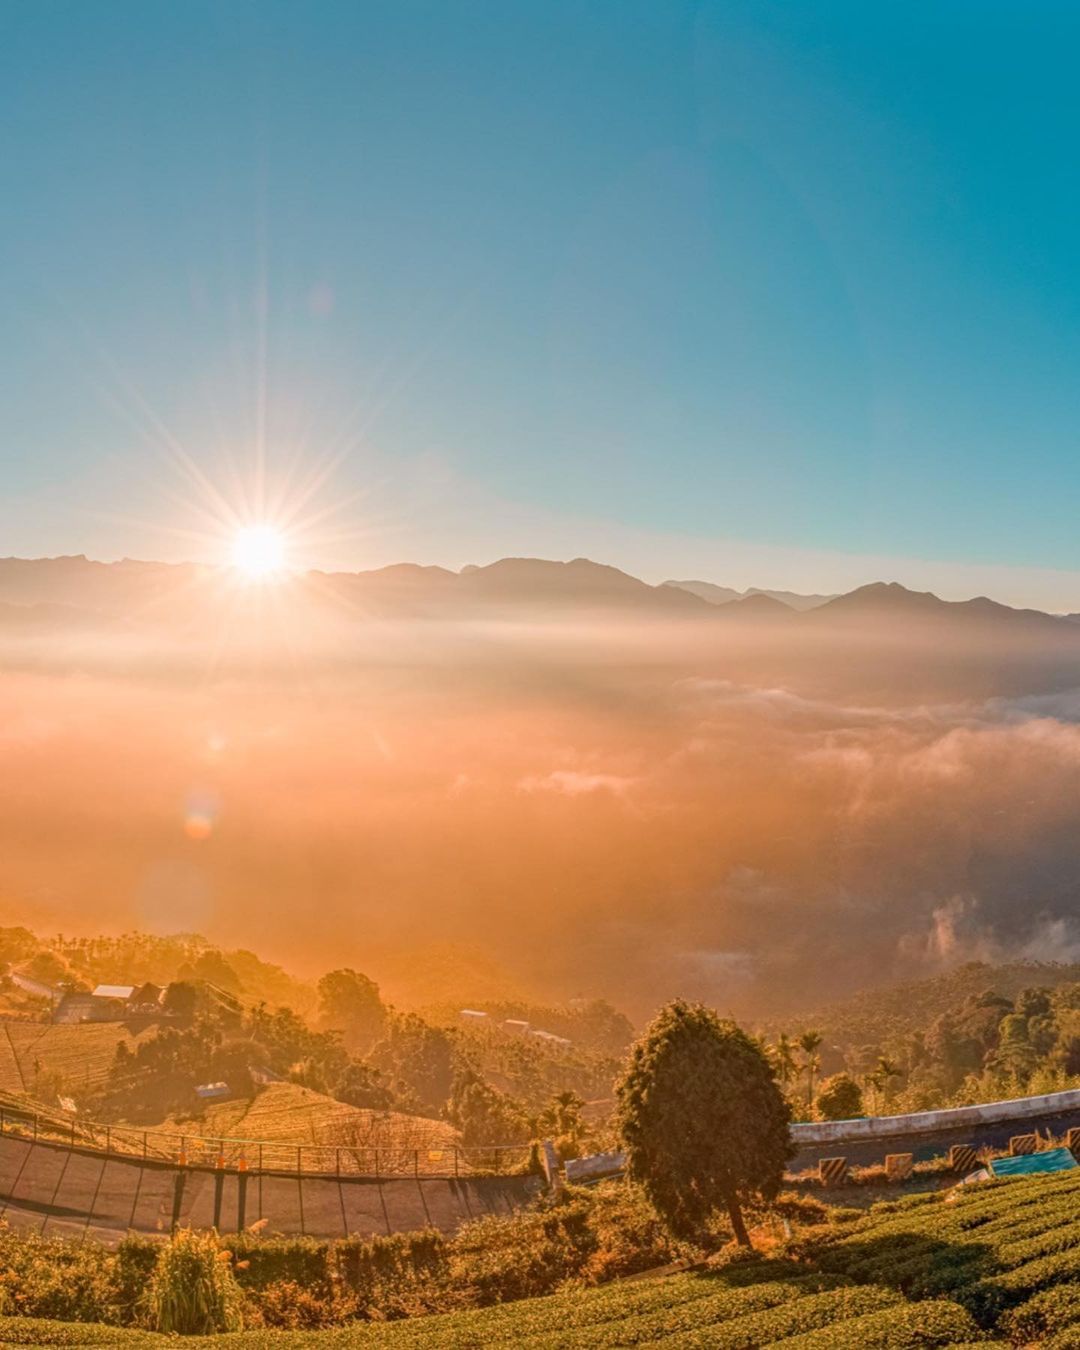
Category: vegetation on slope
[995,1263]
[985,1046]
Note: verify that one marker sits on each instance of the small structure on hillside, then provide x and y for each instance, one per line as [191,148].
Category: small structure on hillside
[88,1008]
[146,998]
[122,992]
[110,1003]
[213,1092]
[471,1015]
[515,1026]
[550,1037]
[580,1171]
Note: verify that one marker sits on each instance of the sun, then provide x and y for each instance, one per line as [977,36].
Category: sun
[258,551]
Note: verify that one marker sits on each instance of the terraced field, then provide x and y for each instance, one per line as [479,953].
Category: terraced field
[291,1114]
[998,1263]
[81,1053]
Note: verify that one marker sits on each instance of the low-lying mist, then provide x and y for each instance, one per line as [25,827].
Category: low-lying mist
[602,805]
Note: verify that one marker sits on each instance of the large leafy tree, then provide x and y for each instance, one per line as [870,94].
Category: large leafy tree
[704,1120]
[349,1002]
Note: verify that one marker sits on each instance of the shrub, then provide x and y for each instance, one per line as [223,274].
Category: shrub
[1044,1313]
[839,1098]
[193,1291]
[935,1322]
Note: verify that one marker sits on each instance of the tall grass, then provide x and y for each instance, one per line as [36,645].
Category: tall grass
[193,1291]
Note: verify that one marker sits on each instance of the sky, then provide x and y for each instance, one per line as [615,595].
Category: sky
[782,294]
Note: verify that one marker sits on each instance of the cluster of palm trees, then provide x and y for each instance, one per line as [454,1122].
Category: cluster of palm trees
[800,1057]
[795,1057]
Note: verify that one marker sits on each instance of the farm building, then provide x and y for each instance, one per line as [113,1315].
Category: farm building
[213,1092]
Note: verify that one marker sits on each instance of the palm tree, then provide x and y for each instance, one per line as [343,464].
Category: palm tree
[809,1044]
[881,1077]
[783,1055]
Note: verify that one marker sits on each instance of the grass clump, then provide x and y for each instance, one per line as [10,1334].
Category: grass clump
[193,1291]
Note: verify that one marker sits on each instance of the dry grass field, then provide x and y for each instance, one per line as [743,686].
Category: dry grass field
[286,1116]
[79,1054]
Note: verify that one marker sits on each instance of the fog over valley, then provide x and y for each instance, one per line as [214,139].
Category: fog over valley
[590,784]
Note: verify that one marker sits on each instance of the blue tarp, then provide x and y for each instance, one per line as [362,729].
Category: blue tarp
[1026,1164]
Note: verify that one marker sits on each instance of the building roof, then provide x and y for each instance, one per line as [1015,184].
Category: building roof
[212,1090]
[114,991]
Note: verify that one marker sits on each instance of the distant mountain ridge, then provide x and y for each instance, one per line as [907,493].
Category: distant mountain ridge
[725,595]
[61,589]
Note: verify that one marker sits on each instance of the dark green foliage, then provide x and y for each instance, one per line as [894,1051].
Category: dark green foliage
[839,1098]
[483,1114]
[362,1085]
[418,1059]
[349,1003]
[703,1119]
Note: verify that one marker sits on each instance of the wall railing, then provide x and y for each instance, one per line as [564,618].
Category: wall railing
[355,1157]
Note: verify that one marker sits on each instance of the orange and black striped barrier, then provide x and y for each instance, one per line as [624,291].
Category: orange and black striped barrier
[963,1158]
[1023,1143]
[1072,1140]
[899,1166]
[832,1171]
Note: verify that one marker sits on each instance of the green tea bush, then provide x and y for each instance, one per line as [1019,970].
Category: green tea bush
[935,1322]
[1047,1312]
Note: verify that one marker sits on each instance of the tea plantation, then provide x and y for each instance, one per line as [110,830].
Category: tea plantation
[995,1263]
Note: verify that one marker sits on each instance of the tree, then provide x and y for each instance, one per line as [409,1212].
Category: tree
[783,1056]
[881,1079]
[839,1098]
[349,1002]
[703,1119]
[419,1059]
[562,1118]
[362,1085]
[810,1044]
[483,1114]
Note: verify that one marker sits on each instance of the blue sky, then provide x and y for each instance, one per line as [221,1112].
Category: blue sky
[773,293]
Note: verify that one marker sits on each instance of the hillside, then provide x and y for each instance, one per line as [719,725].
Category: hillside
[289,1113]
[79,1056]
[996,1263]
[876,1015]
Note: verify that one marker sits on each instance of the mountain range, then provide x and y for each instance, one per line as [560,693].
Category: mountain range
[878,644]
[69,584]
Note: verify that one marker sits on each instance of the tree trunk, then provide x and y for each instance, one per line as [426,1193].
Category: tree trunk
[742,1237]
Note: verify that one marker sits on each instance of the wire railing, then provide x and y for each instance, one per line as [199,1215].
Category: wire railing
[221,1152]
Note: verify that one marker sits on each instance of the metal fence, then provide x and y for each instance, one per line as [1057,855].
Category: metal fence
[195,1149]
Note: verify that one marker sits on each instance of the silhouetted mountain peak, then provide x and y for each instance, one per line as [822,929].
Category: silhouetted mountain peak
[757,606]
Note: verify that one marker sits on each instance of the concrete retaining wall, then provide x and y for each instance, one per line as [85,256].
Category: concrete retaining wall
[935,1122]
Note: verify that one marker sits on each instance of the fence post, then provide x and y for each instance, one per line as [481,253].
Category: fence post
[299,1160]
[337,1161]
[108,1138]
[498,1162]
[35,1126]
[144,1145]
[376,1164]
[456,1172]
